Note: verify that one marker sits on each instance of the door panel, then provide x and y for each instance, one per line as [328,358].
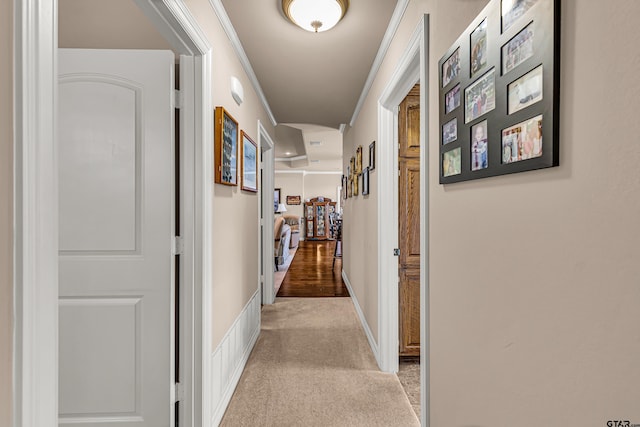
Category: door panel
[116,269]
[409,213]
[409,124]
[410,320]
[409,223]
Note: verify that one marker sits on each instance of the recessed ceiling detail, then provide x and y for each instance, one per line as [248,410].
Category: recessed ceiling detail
[315,16]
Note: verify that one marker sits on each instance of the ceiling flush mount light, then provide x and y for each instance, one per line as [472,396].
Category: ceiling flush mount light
[315,15]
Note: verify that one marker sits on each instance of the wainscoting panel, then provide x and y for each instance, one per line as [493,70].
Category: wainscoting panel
[229,359]
[363,320]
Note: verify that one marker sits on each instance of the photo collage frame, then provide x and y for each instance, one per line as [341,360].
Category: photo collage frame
[499,92]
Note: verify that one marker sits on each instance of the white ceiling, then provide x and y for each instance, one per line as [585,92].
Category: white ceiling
[311,81]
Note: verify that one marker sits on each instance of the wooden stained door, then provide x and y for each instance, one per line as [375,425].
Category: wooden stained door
[409,223]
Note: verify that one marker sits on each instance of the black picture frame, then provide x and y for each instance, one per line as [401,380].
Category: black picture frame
[372,156]
[536,23]
[276,199]
[365,181]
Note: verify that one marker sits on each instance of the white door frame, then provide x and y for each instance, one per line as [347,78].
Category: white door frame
[412,68]
[266,144]
[36,208]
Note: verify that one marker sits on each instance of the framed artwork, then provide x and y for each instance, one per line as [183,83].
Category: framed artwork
[525,91]
[249,164]
[451,162]
[225,148]
[372,156]
[343,184]
[276,199]
[365,181]
[479,149]
[294,200]
[479,48]
[522,141]
[356,179]
[518,49]
[480,97]
[352,166]
[512,10]
[358,169]
[452,99]
[508,81]
[350,186]
[450,131]
[450,68]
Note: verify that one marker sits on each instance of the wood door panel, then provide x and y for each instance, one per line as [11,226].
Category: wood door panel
[409,223]
[409,213]
[409,294]
[409,124]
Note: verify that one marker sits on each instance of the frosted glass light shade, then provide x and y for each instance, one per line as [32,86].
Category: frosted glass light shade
[315,15]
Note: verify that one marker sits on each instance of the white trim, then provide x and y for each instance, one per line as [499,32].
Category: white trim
[290,159]
[264,140]
[221,12]
[424,227]
[412,67]
[306,172]
[342,128]
[394,23]
[230,357]
[363,320]
[36,215]
[36,248]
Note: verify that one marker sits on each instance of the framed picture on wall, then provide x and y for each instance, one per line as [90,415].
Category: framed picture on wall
[518,49]
[249,163]
[372,156]
[225,147]
[359,159]
[450,131]
[276,199]
[452,99]
[480,97]
[451,68]
[294,200]
[525,91]
[509,78]
[479,48]
[365,181]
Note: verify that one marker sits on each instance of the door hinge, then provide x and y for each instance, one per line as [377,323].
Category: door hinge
[177,99]
[177,246]
[396,252]
[178,392]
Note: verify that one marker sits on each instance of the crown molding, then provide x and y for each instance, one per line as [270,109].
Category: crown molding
[242,55]
[394,23]
[290,159]
[306,172]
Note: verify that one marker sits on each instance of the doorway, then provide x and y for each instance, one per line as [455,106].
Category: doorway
[412,68]
[36,195]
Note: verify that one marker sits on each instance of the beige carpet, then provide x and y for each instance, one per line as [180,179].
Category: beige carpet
[312,366]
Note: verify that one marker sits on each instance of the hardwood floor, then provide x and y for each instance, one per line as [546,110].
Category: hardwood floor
[310,272]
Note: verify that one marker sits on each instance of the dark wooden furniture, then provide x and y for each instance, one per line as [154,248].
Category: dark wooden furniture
[316,216]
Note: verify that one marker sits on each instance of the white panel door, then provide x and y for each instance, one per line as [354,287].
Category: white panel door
[116,182]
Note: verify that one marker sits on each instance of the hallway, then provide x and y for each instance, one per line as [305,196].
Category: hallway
[312,366]
[311,273]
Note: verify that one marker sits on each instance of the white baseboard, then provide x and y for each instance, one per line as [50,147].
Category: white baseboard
[229,359]
[363,320]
